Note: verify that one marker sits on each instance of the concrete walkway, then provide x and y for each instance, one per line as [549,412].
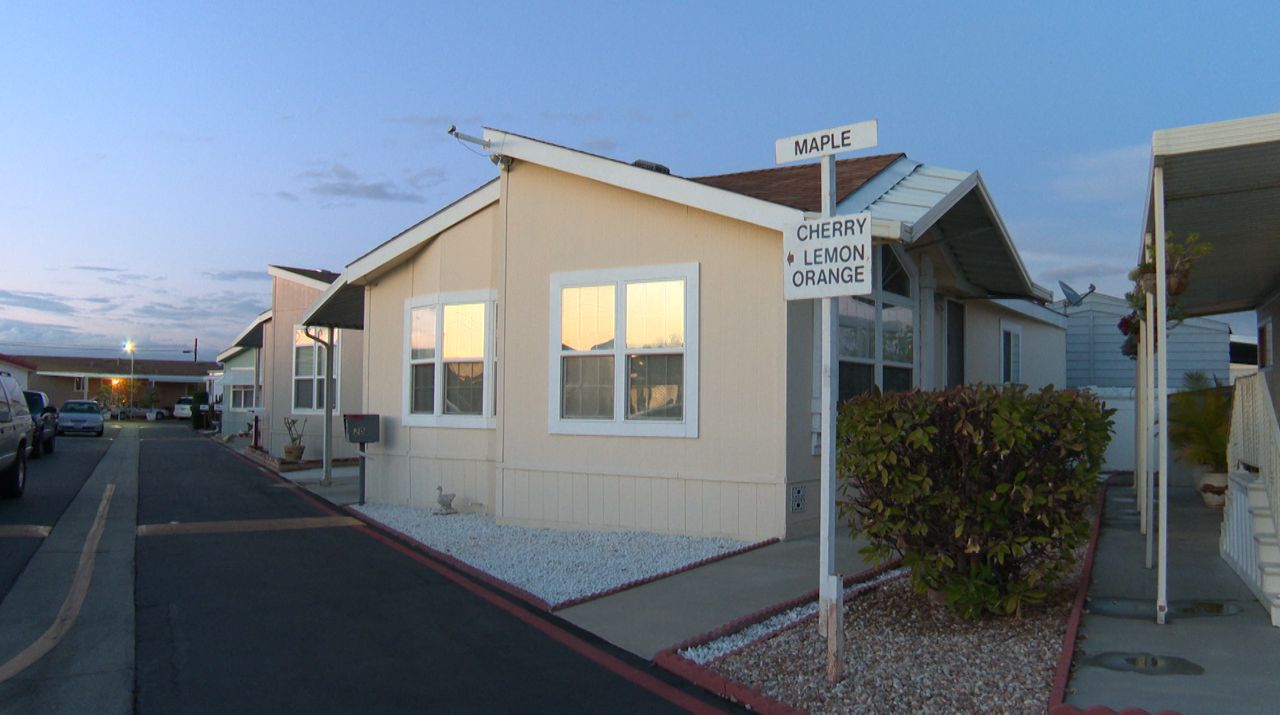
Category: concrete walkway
[658,615]
[1199,661]
[90,667]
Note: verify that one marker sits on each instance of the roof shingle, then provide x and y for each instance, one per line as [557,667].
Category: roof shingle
[800,186]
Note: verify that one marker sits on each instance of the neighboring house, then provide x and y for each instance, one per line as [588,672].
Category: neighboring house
[1094,339]
[583,342]
[293,375]
[242,378]
[1222,181]
[1094,361]
[157,383]
[20,368]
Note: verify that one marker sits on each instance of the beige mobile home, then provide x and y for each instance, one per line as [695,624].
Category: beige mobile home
[583,342]
[294,366]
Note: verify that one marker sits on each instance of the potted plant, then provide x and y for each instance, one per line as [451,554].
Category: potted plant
[1180,256]
[293,451]
[1199,430]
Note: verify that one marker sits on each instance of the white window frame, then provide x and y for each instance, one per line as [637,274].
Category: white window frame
[881,299]
[1008,326]
[336,337]
[1266,355]
[488,417]
[620,426]
[251,403]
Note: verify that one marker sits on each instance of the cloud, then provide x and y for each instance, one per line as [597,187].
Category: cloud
[16,334]
[600,145]
[242,275]
[286,195]
[45,302]
[426,178]
[125,279]
[99,269]
[1106,176]
[338,181]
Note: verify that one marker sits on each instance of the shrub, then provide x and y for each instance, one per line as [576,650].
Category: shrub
[982,490]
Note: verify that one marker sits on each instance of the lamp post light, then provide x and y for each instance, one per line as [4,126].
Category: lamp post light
[130,348]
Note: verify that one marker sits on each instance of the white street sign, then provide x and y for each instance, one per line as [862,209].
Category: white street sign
[828,257]
[836,140]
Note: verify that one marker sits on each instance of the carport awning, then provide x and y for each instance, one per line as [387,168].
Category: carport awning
[1222,181]
[953,211]
[341,306]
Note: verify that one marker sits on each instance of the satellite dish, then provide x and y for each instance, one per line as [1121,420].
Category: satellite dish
[1073,298]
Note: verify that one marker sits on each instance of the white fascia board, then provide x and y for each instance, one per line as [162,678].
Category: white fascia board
[296,278]
[1030,310]
[408,241]
[263,317]
[229,353]
[1216,135]
[663,186]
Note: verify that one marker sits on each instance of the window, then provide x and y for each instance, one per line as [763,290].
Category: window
[242,397]
[1264,344]
[1010,352]
[448,360]
[308,370]
[877,332]
[624,355]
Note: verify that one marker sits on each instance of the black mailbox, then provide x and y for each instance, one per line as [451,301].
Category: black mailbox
[362,428]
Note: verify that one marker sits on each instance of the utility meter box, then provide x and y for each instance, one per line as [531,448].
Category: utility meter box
[362,428]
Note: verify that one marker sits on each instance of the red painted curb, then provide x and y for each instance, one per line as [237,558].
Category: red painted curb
[708,679]
[659,576]
[539,623]
[1058,695]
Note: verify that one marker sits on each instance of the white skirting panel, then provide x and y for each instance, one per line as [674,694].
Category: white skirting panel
[412,481]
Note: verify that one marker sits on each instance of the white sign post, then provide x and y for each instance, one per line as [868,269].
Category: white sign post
[824,259]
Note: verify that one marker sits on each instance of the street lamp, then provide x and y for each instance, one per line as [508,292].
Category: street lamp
[130,348]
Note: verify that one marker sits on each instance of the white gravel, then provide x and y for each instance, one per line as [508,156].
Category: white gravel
[711,650]
[552,564]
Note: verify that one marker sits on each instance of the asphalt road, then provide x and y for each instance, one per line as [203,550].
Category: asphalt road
[52,482]
[339,618]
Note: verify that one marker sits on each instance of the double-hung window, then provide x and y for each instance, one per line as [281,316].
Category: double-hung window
[242,397]
[1010,352]
[624,352]
[308,370]
[449,360]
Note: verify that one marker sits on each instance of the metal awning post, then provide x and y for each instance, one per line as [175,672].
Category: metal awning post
[326,456]
[1162,398]
[1149,407]
[1140,429]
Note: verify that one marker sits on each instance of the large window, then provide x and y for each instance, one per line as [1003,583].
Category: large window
[624,353]
[1010,352]
[878,332]
[308,370]
[448,360]
[243,397]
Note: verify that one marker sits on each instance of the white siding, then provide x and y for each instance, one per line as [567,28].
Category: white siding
[1093,346]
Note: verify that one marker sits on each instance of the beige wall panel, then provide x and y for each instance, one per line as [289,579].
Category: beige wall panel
[644,503]
[1271,311]
[581,499]
[560,223]
[676,505]
[1044,347]
[660,505]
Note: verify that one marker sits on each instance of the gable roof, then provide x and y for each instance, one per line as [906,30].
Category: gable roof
[800,186]
[20,362]
[143,368]
[314,277]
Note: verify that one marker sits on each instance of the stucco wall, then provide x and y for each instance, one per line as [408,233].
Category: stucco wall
[410,462]
[728,480]
[1043,346]
[289,301]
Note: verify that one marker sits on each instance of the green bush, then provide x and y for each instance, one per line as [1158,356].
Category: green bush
[983,491]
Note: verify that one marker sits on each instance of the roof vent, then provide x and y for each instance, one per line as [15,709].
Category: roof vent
[651,166]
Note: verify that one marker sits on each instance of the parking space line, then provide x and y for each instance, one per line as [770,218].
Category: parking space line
[247,525]
[75,597]
[29,531]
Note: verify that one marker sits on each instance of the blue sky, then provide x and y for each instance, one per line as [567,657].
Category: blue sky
[156,157]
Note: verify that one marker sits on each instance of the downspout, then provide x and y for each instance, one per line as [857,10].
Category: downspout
[330,384]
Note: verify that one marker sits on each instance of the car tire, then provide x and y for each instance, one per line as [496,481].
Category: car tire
[14,479]
[48,444]
[37,449]
[99,433]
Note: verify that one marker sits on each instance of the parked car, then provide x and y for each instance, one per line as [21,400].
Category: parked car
[138,412]
[46,418]
[182,410]
[80,416]
[17,433]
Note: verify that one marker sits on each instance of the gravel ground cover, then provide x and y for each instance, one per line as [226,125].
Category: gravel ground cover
[554,565]
[905,655]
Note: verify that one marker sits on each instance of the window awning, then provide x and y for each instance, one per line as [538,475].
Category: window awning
[1222,181]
